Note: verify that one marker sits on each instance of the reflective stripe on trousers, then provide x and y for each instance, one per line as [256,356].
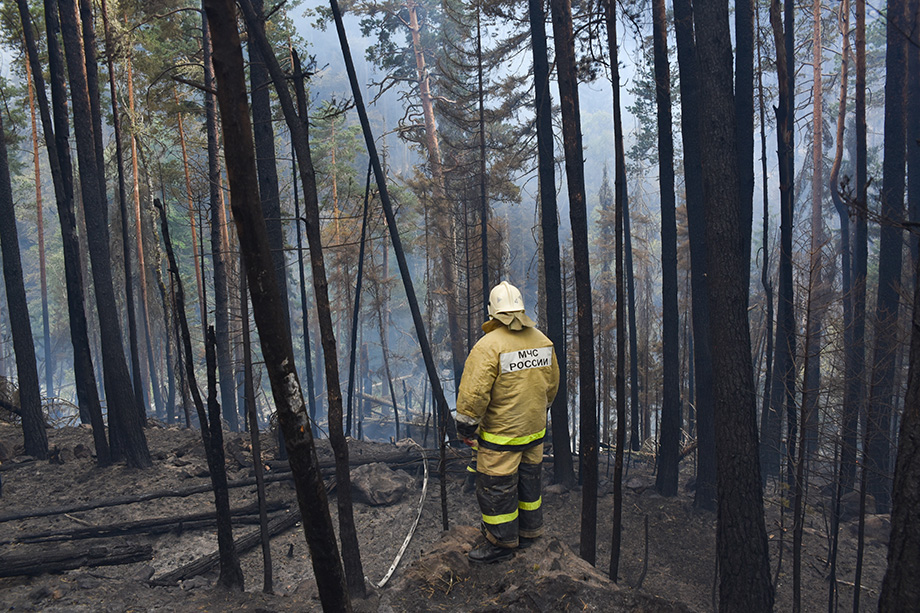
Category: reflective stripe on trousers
[530,509]
[498,501]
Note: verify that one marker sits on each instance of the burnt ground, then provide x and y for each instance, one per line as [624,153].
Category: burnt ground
[433,575]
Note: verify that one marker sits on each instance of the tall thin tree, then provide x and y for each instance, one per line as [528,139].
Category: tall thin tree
[30,401]
[575,177]
[669,437]
[57,142]
[619,196]
[219,247]
[705,495]
[741,537]
[563,471]
[885,325]
[267,305]
[119,392]
[40,228]
[123,210]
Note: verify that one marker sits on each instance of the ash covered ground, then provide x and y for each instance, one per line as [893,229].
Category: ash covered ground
[433,574]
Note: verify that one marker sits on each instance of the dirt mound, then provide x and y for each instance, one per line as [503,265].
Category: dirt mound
[546,577]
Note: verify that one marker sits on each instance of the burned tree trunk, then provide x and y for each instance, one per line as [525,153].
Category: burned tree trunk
[575,176]
[119,392]
[30,401]
[705,495]
[219,253]
[741,537]
[620,203]
[783,388]
[123,209]
[211,435]
[266,297]
[58,144]
[39,209]
[881,393]
[563,471]
[669,439]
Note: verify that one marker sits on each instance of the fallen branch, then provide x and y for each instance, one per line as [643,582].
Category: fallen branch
[122,500]
[401,458]
[157,525]
[243,544]
[58,560]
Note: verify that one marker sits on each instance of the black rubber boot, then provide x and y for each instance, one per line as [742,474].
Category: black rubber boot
[489,553]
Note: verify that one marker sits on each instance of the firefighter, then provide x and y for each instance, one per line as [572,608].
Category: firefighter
[509,381]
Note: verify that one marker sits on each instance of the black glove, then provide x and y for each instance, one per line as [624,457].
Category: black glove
[465,430]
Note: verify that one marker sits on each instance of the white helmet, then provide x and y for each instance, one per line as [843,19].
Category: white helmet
[505,298]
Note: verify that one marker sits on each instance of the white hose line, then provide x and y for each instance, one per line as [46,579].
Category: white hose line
[421,505]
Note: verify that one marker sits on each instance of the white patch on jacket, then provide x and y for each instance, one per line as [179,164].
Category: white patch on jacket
[526,358]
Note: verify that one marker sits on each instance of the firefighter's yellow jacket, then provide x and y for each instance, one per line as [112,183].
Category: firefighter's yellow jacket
[509,381]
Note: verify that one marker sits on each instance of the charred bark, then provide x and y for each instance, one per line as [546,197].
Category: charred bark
[40,226]
[219,247]
[264,135]
[741,538]
[783,388]
[900,588]
[58,144]
[137,380]
[575,176]
[669,438]
[30,401]
[705,495]
[119,392]
[620,206]
[563,471]
[886,330]
[265,291]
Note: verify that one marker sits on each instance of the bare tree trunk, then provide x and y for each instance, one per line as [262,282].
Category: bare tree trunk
[705,495]
[351,555]
[563,471]
[620,205]
[30,401]
[744,126]
[669,439]
[119,393]
[356,311]
[219,247]
[266,298]
[483,201]
[783,388]
[39,222]
[741,538]
[304,311]
[58,144]
[231,575]
[141,260]
[850,411]
[886,330]
[264,135]
[900,589]
[812,370]
[575,175]
[860,245]
[138,382]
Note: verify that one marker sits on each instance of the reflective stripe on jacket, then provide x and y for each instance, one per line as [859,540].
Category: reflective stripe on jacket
[509,380]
